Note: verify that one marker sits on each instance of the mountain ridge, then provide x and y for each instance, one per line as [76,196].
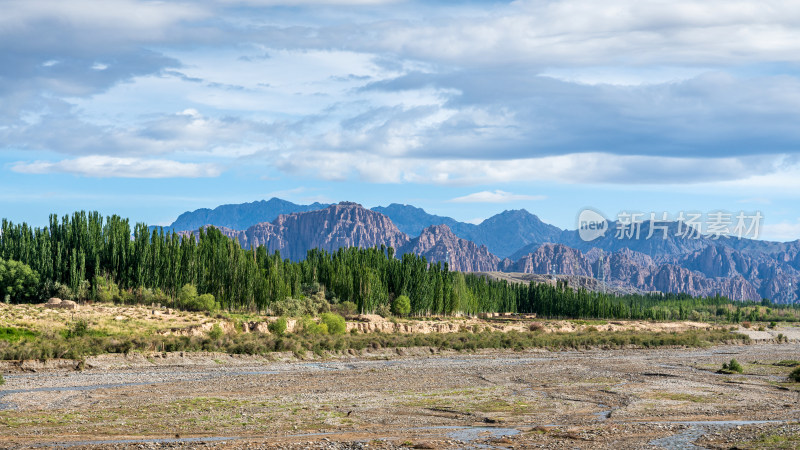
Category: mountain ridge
[674,263]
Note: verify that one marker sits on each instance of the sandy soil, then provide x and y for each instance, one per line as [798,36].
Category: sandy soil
[166,321]
[658,398]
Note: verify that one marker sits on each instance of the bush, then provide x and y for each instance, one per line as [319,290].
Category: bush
[732,367]
[383,310]
[347,308]
[190,301]
[105,290]
[310,326]
[2,380]
[278,327]
[795,375]
[216,332]
[401,305]
[18,282]
[746,324]
[298,307]
[79,328]
[334,322]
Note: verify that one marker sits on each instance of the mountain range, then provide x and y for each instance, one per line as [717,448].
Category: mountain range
[518,241]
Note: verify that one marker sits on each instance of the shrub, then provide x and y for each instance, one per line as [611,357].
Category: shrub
[347,308]
[383,310]
[190,301]
[298,307]
[2,380]
[216,332]
[773,324]
[105,290]
[795,375]
[732,367]
[310,326]
[334,322]
[536,326]
[278,327]
[401,305]
[79,328]
[746,324]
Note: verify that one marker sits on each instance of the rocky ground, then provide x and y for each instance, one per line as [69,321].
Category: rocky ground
[421,398]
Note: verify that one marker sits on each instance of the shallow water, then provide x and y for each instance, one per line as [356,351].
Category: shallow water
[697,429]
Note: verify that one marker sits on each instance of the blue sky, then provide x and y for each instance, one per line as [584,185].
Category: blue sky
[148,109]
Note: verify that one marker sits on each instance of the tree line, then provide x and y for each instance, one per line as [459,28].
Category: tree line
[88,257]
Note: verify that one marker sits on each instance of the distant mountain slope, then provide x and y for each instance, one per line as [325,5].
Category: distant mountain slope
[438,243]
[502,234]
[239,216]
[507,232]
[345,224]
[412,220]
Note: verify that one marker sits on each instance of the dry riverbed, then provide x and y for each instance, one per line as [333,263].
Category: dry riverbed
[651,398]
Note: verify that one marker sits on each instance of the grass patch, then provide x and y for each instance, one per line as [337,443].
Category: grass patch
[788,363]
[13,334]
[680,397]
[81,344]
[770,441]
[589,322]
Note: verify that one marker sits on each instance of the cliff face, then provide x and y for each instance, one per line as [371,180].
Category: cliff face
[554,259]
[672,278]
[438,243]
[346,224]
[633,269]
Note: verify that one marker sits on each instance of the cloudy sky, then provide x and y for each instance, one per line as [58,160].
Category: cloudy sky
[148,109]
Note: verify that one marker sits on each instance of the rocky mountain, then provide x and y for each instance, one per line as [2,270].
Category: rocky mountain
[346,224]
[627,268]
[670,259]
[661,241]
[505,233]
[672,278]
[412,220]
[553,259]
[239,216]
[439,243]
[502,234]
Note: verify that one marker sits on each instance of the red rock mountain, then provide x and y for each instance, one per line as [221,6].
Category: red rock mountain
[554,259]
[344,225]
[438,243]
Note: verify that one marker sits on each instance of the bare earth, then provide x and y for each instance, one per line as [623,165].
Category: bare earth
[659,398]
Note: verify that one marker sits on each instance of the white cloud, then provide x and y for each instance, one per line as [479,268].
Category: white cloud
[573,168]
[99,166]
[496,196]
[783,231]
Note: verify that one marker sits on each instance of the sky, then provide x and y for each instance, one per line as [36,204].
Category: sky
[148,109]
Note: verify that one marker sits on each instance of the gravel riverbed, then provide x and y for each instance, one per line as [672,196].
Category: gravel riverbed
[422,398]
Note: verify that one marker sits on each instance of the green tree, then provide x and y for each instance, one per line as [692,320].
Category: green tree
[401,305]
[278,327]
[336,323]
[18,282]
